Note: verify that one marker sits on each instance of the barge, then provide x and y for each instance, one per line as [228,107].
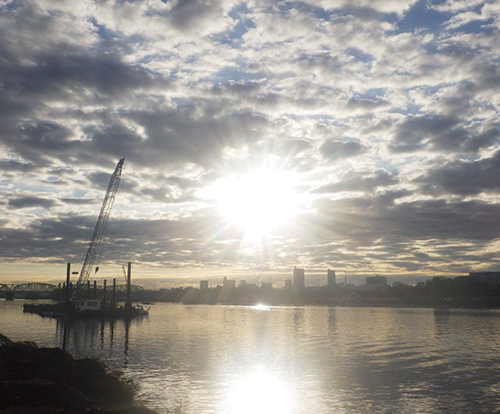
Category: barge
[85,308]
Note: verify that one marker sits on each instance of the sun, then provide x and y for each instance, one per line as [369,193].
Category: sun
[260,202]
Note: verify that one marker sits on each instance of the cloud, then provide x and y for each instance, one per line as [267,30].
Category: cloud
[197,134]
[439,133]
[30,202]
[378,5]
[460,177]
[77,201]
[384,112]
[16,166]
[357,182]
[196,15]
[335,150]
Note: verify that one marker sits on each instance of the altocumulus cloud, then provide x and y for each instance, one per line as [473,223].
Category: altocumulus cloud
[386,113]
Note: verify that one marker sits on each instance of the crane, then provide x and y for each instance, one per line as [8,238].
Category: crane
[100,227]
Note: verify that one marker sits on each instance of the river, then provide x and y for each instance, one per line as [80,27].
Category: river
[290,360]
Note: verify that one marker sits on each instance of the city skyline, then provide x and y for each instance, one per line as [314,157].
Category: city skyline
[361,136]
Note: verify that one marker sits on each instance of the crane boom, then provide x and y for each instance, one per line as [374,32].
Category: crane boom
[100,227]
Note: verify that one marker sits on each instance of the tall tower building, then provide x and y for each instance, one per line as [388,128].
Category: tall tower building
[332,280]
[299,280]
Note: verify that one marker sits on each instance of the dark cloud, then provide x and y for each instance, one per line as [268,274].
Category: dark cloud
[113,138]
[482,140]
[367,220]
[78,201]
[324,62]
[45,136]
[428,133]
[193,15]
[462,177]
[362,13]
[488,74]
[63,71]
[194,134]
[30,202]
[16,166]
[335,150]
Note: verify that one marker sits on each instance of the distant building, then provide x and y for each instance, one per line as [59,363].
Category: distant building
[299,279]
[331,278]
[374,282]
[266,285]
[203,284]
[242,283]
[288,284]
[228,283]
[491,278]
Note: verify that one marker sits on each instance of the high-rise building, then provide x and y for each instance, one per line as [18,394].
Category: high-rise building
[332,280]
[203,284]
[376,282]
[229,283]
[299,279]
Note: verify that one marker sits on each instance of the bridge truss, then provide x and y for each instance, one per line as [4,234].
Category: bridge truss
[27,287]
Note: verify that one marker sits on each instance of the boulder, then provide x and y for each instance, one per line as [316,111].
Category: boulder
[50,380]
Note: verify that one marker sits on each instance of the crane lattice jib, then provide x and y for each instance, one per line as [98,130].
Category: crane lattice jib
[100,227]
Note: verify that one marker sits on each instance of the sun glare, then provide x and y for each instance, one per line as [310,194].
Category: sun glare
[259,393]
[261,307]
[259,202]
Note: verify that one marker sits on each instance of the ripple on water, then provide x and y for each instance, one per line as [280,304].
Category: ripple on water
[342,360]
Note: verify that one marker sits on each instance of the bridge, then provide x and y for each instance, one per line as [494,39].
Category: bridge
[133,288]
[27,287]
[28,290]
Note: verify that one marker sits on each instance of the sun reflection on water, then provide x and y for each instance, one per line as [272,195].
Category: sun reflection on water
[261,306]
[259,392]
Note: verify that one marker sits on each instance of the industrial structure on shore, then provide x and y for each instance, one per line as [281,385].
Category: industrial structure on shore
[81,300]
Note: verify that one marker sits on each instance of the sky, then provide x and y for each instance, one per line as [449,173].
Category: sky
[356,135]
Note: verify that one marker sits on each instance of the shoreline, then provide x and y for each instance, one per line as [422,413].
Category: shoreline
[49,381]
[336,304]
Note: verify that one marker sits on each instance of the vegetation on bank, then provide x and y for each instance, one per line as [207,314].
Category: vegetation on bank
[50,381]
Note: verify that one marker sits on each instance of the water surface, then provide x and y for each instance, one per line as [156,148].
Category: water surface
[286,360]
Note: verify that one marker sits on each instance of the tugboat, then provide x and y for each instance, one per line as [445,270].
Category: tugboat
[139,309]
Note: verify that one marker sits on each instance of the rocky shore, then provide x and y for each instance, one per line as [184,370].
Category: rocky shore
[49,381]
